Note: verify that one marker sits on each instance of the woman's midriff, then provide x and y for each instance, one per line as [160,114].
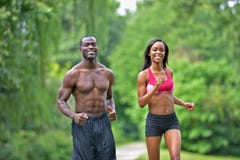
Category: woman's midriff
[162,104]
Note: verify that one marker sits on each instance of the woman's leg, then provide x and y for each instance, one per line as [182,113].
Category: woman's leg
[173,142]
[153,147]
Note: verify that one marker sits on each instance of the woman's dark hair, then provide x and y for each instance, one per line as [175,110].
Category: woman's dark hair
[147,59]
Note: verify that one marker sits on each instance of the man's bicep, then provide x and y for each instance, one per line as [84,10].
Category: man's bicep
[66,88]
[64,93]
[111,83]
[109,92]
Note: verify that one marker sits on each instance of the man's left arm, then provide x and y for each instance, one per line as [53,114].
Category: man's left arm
[111,109]
[110,100]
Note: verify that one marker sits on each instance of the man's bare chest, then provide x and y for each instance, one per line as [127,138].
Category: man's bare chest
[88,81]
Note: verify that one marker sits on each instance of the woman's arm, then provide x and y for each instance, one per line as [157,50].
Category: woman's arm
[144,97]
[188,105]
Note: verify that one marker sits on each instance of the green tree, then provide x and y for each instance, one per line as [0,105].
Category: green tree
[38,43]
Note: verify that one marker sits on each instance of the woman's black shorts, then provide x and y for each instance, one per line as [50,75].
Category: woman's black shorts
[156,125]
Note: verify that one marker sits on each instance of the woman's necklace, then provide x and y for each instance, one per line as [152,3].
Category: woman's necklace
[161,73]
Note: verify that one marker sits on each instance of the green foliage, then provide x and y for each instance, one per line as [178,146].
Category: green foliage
[39,42]
[124,132]
[210,100]
[28,145]
[27,100]
[24,64]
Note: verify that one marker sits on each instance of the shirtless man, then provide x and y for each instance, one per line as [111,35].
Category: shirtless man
[90,83]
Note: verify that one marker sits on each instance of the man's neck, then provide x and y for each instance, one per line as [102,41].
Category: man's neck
[89,63]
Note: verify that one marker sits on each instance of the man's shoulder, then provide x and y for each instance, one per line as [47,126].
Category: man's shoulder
[100,65]
[106,71]
[78,68]
[104,68]
[73,71]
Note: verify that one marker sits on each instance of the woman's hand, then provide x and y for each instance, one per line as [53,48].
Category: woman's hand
[189,105]
[159,80]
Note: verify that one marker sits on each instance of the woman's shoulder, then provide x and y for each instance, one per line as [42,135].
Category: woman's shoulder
[169,70]
[143,74]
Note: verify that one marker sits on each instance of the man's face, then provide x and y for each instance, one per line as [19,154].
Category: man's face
[89,48]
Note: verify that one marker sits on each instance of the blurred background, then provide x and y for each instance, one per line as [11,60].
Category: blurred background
[39,42]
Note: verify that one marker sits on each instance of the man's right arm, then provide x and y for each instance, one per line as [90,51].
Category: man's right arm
[64,94]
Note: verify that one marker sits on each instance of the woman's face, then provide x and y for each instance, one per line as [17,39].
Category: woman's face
[157,52]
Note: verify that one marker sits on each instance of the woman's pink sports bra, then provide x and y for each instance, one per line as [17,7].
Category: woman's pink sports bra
[166,87]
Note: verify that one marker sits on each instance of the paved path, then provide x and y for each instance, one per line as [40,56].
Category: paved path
[131,151]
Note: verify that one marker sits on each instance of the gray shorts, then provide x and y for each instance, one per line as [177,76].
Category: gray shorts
[94,140]
[156,125]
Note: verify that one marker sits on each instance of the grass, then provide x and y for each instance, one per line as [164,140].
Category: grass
[190,156]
